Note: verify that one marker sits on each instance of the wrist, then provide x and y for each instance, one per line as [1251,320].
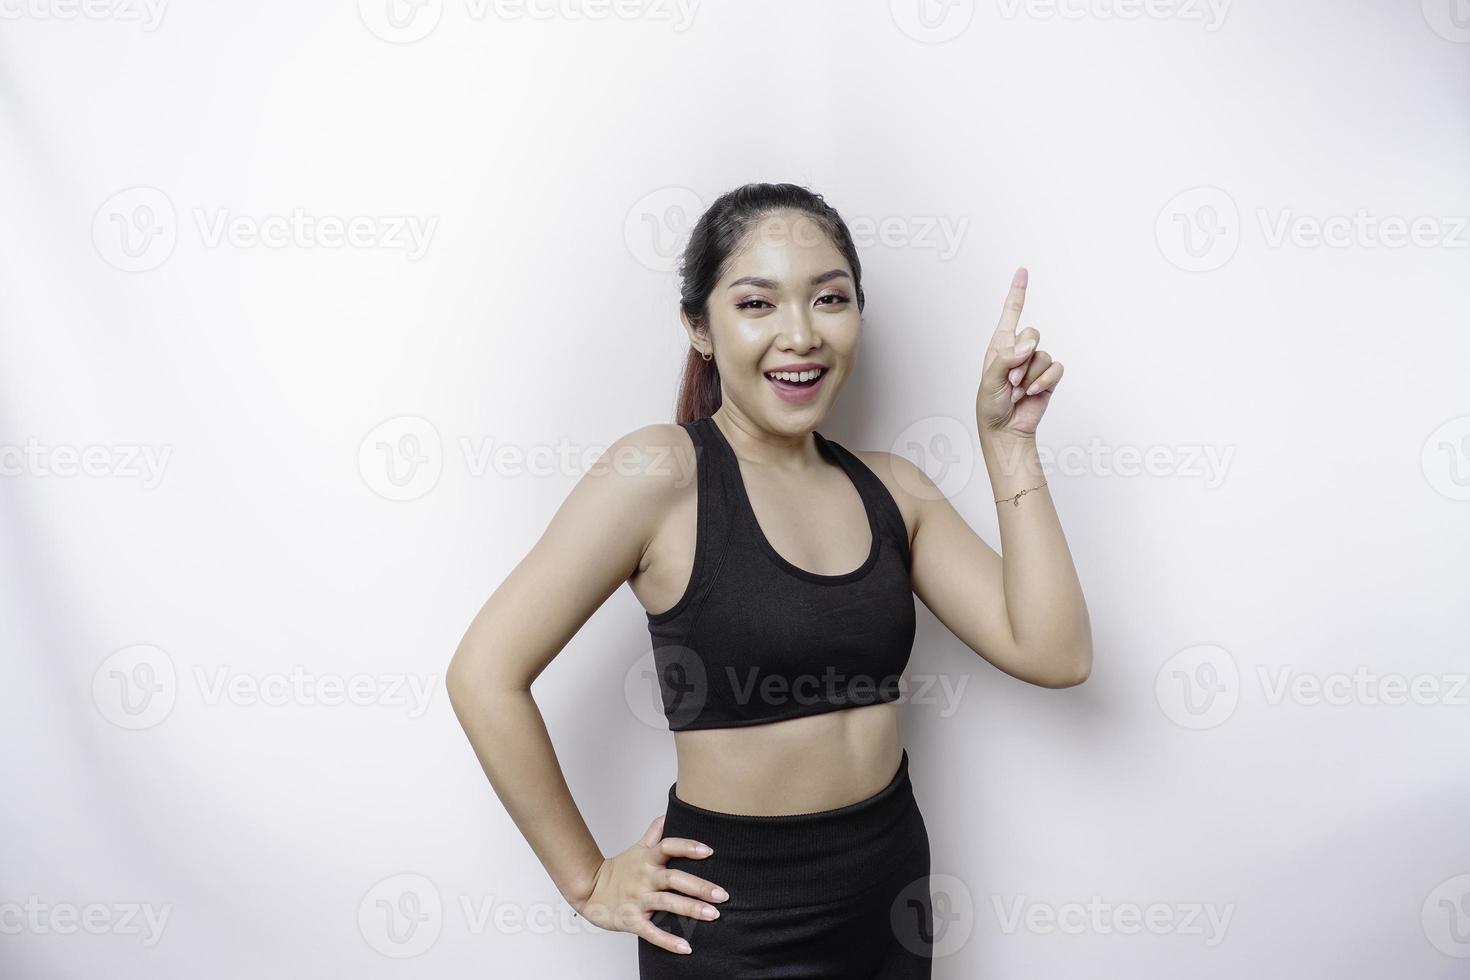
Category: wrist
[579,890]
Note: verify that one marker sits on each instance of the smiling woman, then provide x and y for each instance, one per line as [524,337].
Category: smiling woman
[779,589]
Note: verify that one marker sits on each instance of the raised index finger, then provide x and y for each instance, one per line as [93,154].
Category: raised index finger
[1010,314]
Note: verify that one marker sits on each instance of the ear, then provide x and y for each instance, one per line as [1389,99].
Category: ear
[697,336]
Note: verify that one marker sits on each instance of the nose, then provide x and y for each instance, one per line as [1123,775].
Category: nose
[799,334]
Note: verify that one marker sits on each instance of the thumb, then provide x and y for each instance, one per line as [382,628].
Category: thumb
[654,833]
[999,361]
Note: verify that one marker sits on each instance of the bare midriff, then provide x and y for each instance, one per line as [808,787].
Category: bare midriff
[799,765]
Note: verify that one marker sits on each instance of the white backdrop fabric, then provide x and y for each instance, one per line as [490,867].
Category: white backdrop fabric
[314,313]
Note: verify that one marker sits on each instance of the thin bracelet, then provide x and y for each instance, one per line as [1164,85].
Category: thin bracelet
[1016,500]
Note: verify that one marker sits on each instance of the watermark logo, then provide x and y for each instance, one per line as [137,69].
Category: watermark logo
[1450,19]
[407,21]
[932,21]
[1445,459]
[401,916]
[944,449]
[39,918]
[666,688]
[1364,687]
[147,14]
[1362,229]
[135,687]
[136,229]
[1199,229]
[939,446]
[298,686]
[401,458]
[1205,920]
[657,226]
[1198,687]
[400,21]
[128,461]
[933,915]
[1210,13]
[1445,917]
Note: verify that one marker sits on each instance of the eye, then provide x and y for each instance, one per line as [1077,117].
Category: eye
[747,303]
[837,296]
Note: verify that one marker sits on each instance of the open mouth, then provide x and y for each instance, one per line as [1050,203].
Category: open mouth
[797,379]
[797,387]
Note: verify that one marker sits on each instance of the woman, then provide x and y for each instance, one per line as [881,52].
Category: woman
[778,570]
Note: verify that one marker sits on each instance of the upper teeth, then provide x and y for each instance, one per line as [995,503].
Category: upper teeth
[795,375]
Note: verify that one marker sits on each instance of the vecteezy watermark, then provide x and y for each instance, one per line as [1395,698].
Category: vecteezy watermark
[1198,687]
[947,452]
[403,915]
[1210,13]
[39,918]
[123,461]
[1201,686]
[402,458]
[1200,229]
[1205,920]
[932,21]
[137,687]
[407,21]
[951,923]
[657,227]
[1445,458]
[1445,917]
[146,14]
[1203,462]
[939,233]
[1362,686]
[687,680]
[1450,19]
[301,687]
[138,228]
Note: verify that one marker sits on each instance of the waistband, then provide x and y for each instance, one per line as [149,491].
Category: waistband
[801,858]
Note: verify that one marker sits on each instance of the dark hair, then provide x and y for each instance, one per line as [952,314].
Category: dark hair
[716,235]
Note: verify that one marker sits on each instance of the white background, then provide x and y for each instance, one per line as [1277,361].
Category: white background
[324,504]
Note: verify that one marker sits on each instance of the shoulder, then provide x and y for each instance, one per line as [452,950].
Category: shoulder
[908,485]
[650,464]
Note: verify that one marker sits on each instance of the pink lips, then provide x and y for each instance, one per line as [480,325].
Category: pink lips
[797,394]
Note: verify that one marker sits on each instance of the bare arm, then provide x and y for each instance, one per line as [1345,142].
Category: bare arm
[1023,613]
[591,546]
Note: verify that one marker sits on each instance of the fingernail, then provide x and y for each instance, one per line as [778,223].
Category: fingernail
[1020,277]
[1015,376]
[710,912]
[1032,390]
[1024,348]
[682,946]
[702,849]
[1015,395]
[720,894]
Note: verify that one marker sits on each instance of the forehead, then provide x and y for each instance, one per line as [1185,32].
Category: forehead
[784,240]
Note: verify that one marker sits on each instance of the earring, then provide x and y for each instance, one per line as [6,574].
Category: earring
[706,356]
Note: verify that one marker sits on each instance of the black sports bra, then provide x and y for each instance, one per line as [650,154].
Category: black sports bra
[757,639]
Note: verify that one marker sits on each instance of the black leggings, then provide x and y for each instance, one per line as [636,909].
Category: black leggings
[841,894]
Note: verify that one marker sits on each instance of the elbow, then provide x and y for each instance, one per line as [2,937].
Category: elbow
[474,679]
[1073,668]
[464,679]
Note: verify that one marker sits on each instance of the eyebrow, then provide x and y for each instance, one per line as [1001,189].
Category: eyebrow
[773,284]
